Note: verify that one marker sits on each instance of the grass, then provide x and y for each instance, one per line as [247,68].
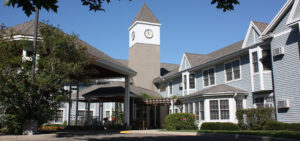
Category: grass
[269,133]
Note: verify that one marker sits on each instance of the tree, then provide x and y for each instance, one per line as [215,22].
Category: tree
[28,6]
[60,59]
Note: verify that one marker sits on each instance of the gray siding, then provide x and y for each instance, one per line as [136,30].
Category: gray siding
[185,65]
[251,38]
[199,80]
[282,25]
[257,39]
[176,85]
[164,93]
[268,81]
[297,14]
[286,71]
[256,81]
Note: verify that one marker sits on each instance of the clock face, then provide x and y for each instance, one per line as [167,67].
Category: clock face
[132,35]
[148,33]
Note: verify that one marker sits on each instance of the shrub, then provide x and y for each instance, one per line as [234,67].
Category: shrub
[180,121]
[219,126]
[275,125]
[254,119]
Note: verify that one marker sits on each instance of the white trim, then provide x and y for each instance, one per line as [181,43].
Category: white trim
[182,61]
[261,68]
[251,26]
[251,69]
[187,84]
[209,85]
[277,18]
[291,17]
[194,81]
[63,116]
[170,94]
[143,22]
[240,65]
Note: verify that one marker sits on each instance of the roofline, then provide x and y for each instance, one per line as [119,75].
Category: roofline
[251,25]
[278,16]
[243,50]
[142,22]
[115,67]
[229,93]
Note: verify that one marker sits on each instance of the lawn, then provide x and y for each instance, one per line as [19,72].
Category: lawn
[269,133]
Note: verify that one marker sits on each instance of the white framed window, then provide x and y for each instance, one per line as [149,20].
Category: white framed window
[59,116]
[255,61]
[190,107]
[170,88]
[197,110]
[202,117]
[233,70]
[219,109]
[184,82]
[209,77]
[192,80]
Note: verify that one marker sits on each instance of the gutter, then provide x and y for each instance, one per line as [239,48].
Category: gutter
[114,67]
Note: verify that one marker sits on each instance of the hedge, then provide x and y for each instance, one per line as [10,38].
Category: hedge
[254,119]
[275,125]
[180,121]
[219,126]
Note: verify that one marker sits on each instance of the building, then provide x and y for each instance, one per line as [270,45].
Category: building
[263,70]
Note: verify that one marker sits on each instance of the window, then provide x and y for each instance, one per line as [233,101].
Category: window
[255,61]
[184,82]
[192,81]
[162,87]
[186,108]
[259,102]
[239,104]
[214,109]
[107,113]
[170,88]
[202,110]
[217,112]
[59,116]
[233,70]
[190,107]
[224,107]
[209,77]
[83,113]
[197,110]
[266,59]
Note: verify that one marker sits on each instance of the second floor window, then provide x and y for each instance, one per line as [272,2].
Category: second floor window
[233,70]
[192,81]
[255,61]
[170,88]
[202,110]
[209,77]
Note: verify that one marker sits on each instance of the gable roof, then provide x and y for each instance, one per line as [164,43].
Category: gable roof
[114,89]
[260,25]
[277,18]
[27,29]
[208,58]
[218,89]
[145,15]
[196,59]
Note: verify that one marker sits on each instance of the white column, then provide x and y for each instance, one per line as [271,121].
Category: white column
[89,109]
[127,101]
[172,106]
[70,105]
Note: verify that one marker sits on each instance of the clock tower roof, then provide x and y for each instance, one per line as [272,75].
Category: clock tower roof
[145,15]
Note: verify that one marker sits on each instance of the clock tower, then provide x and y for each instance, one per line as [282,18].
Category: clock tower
[144,48]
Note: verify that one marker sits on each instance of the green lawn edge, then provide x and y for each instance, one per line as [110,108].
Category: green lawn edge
[268,133]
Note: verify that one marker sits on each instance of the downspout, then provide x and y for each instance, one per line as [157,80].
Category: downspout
[273,85]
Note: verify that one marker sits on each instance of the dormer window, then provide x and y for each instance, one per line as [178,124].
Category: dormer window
[192,81]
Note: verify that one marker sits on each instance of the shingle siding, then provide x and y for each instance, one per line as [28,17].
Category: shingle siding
[286,70]
[251,38]
[176,85]
[199,81]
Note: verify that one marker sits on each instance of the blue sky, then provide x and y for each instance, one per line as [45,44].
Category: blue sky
[187,26]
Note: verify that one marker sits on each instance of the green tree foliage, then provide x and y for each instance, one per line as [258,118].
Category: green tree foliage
[59,59]
[28,6]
